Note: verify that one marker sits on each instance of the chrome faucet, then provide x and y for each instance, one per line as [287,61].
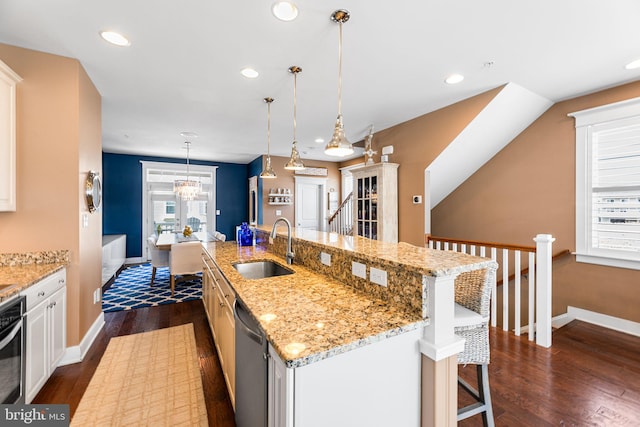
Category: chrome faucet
[290,253]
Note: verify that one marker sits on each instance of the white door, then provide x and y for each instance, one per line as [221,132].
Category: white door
[310,204]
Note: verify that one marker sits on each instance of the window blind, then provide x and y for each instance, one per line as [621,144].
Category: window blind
[616,189]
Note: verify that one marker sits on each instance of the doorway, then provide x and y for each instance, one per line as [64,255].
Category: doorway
[164,212]
[310,203]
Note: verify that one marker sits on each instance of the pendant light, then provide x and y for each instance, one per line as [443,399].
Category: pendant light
[339,145]
[267,170]
[187,189]
[294,163]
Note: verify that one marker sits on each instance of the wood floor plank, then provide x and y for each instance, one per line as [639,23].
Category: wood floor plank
[589,377]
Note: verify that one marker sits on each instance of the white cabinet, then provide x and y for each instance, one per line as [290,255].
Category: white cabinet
[375,203]
[377,385]
[8,81]
[46,330]
[114,252]
[218,298]
[280,382]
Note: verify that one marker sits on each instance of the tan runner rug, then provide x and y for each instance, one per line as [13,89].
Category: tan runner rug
[151,378]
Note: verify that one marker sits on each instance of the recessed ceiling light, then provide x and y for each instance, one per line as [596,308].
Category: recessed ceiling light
[319,140]
[284,10]
[454,78]
[249,73]
[115,38]
[633,65]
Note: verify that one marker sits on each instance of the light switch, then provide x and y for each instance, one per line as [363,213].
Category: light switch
[85,220]
[217,211]
[325,258]
[359,270]
[378,276]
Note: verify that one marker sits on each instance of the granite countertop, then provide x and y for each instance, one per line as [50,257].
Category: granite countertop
[307,316]
[430,262]
[14,279]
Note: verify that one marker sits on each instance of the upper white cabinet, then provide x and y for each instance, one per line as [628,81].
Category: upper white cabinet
[375,211]
[8,81]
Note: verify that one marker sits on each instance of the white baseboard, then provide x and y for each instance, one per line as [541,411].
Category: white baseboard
[604,320]
[76,353]
[135,260]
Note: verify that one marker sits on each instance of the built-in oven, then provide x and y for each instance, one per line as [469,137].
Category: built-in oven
[12,345]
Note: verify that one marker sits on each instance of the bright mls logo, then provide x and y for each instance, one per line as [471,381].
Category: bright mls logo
[34,415]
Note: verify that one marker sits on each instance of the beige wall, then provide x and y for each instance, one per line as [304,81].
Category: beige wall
[285,179]
[529,188]
[416,144]
[58,141]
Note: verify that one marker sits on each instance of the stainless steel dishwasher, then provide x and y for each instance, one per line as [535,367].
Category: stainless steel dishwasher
[251,370]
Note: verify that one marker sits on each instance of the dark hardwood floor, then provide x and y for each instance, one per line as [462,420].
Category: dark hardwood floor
[589,377]
[68,383]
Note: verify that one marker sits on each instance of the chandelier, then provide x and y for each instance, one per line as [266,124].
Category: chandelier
[187,189]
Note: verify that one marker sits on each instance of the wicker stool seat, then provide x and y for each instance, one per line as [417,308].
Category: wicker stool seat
[473,296]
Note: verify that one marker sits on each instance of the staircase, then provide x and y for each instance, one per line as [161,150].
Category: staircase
[341,221]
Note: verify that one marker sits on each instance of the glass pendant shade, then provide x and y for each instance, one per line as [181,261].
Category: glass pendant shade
[187,189]
[294,163]
[339,145]
[267,170]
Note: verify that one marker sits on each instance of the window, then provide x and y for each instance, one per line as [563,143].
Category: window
[608,184]
[163,212]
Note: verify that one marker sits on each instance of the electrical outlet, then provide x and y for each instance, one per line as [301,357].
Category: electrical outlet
[217,211]
[358,269]
[325,258]
[378,276]
[278,212]
[97,294]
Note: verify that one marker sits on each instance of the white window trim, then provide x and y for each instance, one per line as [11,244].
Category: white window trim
[586,121]
[211,216]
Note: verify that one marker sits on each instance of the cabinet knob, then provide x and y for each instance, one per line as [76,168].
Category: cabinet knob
[221,304]
[41,293]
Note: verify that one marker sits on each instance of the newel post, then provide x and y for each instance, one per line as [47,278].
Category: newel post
[544,244]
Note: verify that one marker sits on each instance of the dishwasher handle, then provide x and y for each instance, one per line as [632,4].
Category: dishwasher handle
[11,335]
[255,336]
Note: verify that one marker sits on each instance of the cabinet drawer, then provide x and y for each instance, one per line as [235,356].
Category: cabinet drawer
[44,288]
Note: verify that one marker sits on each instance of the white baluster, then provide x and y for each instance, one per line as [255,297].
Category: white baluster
[517,272]
[532,295]
[505,289]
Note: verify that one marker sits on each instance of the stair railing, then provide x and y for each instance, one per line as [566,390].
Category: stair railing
[342,219]
[538,280]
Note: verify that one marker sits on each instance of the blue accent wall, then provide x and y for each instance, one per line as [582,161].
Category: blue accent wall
[122,196]
[255,169]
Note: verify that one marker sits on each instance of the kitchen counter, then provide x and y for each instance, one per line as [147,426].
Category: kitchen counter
[19,271]
[308,316]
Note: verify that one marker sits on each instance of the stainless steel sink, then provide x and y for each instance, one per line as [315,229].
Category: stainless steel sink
[261,269]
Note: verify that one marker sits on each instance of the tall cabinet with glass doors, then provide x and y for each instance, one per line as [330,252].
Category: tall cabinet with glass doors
[375,209]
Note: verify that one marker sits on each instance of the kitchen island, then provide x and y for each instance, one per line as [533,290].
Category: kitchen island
[350,348]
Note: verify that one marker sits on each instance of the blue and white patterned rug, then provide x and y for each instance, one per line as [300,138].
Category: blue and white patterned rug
[131,289]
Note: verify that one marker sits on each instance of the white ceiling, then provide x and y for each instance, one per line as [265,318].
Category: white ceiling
[181,72]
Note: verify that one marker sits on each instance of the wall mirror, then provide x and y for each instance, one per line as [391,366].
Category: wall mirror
[253,200]
[93,191]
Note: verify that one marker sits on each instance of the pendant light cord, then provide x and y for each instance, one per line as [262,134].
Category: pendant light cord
[295,79]
[340,73]
[268,129]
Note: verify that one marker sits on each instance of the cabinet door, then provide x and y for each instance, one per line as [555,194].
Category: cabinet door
[37,361]
[57,327]
[280,409]
[229,338]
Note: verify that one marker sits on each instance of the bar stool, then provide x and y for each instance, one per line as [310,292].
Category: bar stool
[471,322]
